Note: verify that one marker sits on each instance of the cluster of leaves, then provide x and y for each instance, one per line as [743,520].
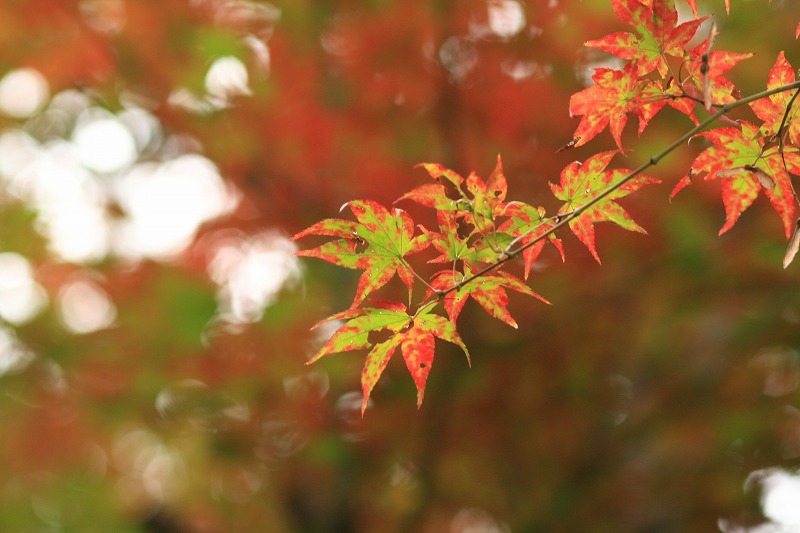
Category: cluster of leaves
[661,70]
[479,232]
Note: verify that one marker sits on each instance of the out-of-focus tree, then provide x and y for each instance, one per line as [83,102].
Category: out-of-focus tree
[154,157]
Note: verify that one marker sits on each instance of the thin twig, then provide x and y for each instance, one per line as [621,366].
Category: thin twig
[511,254]
[781,142]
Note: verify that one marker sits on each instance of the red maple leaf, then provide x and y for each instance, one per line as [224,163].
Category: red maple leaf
[486,198]
[479,202]
[434,195]
[718,63]
[660,36]
[488,291]
[582,183]
[527,224]
[413,334]
[772,109]
[608,102]
[737,157]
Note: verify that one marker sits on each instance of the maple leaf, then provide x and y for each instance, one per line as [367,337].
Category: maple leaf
[386,238]
[722,89]
[448,243]
[413,334]
[478,203]
[488,290]
[659,35]
[615,93]
[740,150]
[486,198]
[434,195]
[582,183]
[437,172]
[772,109]
[431,195]
[528,223]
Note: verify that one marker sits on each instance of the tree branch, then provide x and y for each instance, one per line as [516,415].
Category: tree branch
[511,254]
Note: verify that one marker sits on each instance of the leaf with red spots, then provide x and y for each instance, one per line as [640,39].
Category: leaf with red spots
[722,90]
[615,93]
[486,199]
[737,157]
[377,244]
[434,195]
[488,290]
[478,202]
[659,35]
[413,334]
[439,172]
[772,109]
[527,224]
[431,195]
[582,183]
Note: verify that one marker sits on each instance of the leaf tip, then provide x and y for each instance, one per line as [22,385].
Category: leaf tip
[593,250]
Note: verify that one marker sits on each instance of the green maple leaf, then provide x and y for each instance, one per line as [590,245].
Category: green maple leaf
[772,109]
[488,290]
[528,223]
[413,334]
[736,158]
[615,93]
[659,35]
[451,246]
[377,243]
[581,183]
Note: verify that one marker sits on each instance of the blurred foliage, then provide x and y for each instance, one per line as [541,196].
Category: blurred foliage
[640,401]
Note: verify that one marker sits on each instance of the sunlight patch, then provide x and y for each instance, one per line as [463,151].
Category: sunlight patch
[251,272]
[21,298]
[506,18]
[84,307]
[23,92]
[103,143]
[166,203]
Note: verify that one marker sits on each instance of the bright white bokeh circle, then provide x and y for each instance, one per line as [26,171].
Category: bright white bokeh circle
[23,92]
